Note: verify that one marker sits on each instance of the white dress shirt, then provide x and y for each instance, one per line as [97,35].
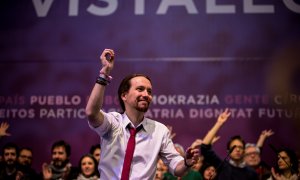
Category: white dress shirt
[152,142]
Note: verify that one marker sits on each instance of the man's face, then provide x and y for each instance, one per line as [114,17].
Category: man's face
[59,157]
[252,156]
[25,157]
[10,156]
[139,96]
[238,152]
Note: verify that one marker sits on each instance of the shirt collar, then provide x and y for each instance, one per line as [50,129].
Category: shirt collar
[127,122]
[240,165]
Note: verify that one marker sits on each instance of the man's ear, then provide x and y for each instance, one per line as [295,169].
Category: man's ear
[123,96]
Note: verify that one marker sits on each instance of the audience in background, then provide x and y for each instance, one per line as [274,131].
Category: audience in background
[161,169]
[263,136]
[179,148]
[17,164]
[60,166]
[3,132]
[252,155]
[3,129]
[95,150]
[197,166]
[235,168]
[25,157]
[25,162]
[197,144]
[286,167]
[172,134]
[252,158]
[88,168]
[208,171]
[191,174]
[8,167]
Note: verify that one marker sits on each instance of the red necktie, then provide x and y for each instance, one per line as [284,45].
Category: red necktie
[129,153]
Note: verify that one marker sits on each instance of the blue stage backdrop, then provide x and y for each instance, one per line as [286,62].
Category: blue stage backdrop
[202,56]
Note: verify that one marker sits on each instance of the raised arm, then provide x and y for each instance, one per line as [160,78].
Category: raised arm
[94,104]
[263,136]
[3,129]
[197,143]
[213,131]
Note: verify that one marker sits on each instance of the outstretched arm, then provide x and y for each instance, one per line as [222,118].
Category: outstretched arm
[263,136]
[213,131]
[95,117]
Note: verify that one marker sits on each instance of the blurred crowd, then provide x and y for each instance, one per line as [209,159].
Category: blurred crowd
[243,160]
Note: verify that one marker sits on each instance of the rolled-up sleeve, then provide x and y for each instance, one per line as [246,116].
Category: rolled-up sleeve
[169,154]
[105,126]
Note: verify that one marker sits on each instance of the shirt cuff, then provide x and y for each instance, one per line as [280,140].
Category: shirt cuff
[174,164]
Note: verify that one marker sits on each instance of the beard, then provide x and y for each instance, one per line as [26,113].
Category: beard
[10,163]
[143,108]
[59,163]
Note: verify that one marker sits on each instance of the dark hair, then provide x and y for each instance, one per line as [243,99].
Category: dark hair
[125,86]
[95,162]
[205,166]
[11,145]
[94,147]
[293,160]
[62,143]
[236,137]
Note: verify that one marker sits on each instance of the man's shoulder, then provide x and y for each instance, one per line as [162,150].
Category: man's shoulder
[115,117]
[154,123]
[114,113]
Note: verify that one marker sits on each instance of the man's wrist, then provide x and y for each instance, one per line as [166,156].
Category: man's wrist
[102,81]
